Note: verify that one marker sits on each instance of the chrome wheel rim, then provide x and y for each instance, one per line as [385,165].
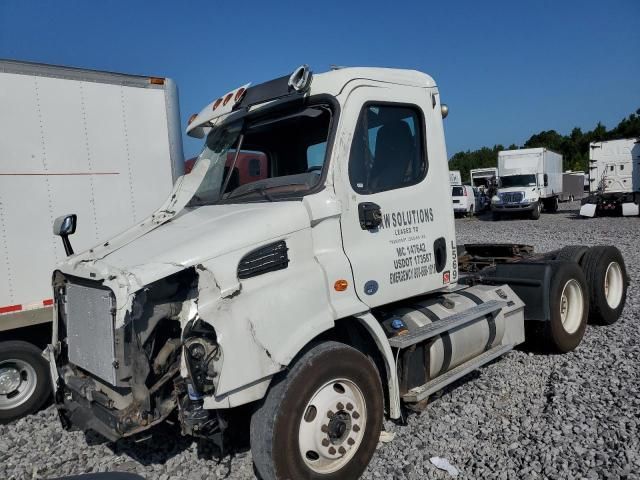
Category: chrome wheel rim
[332,426]
[571,306]
[613,284]
[18,381]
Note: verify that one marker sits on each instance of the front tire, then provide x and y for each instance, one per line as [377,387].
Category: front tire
[535,213]
[25,383]
[322,419]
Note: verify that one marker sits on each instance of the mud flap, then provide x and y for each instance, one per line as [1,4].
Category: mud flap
[588,210]
[630,209]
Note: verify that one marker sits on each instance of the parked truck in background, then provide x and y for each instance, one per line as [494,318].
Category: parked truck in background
[529,180]
[484,178]
[455,178]
[321,300]
[614,178]
[106,146]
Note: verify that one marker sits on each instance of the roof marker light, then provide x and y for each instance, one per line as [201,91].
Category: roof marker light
[227,99]
[156,81]
[216,104]
[239,94]
[192,118]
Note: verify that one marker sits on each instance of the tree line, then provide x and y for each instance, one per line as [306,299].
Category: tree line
[573,147]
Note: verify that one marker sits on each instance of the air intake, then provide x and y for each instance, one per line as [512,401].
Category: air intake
[265,259]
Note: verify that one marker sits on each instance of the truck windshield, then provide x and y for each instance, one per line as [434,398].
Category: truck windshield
[518,181]
[265,158]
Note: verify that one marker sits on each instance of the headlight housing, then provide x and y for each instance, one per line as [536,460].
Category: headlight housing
[496,199]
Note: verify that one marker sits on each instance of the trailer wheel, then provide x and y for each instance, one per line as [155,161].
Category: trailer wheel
[569,304]
[572,253]
[535,213]
[322,419]
[25,383]
[607,281]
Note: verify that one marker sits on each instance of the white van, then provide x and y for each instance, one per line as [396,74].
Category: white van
[464,200]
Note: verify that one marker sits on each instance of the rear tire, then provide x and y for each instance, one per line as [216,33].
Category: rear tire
[569,308]
[322,419]
[25,383]
[551,205]
[607,282]
[572,253]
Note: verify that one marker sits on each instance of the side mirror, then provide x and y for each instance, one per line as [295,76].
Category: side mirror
[444,110]
[63,227]
[546,180]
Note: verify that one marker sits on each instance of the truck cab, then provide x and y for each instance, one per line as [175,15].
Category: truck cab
[614,178]
[322,295]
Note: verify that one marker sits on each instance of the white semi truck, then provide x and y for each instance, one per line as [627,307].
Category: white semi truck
[322,297]
[530,179]
[104,145]
[614,178]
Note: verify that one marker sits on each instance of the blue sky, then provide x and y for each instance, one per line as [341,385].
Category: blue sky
[507,69]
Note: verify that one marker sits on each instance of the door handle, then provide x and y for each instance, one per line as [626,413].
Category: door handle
[370,215]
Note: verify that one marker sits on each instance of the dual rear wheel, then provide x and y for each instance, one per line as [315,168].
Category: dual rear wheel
[587,284]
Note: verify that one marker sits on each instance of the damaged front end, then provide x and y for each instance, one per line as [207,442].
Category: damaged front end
[120,369]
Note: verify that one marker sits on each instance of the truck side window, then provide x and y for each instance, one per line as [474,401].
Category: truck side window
[388,149]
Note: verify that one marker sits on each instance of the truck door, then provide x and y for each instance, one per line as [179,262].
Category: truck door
[397,221]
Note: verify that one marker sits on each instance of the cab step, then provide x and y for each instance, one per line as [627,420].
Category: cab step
[456,320]
[418,394]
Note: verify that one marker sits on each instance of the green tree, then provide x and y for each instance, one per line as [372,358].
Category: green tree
[573,147]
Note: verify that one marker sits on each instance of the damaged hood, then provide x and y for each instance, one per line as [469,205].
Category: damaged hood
[191,237]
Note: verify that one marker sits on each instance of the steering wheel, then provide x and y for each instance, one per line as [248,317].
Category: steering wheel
[315,168]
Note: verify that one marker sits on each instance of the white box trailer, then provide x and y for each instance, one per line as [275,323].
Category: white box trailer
[455,178]
[105,146]
[572,186]
[530,179]
[614,178]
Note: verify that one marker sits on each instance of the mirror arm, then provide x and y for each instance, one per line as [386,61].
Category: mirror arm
[68,249]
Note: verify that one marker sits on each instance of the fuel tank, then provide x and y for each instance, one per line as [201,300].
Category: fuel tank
[433,357]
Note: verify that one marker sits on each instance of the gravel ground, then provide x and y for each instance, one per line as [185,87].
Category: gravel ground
[524,416]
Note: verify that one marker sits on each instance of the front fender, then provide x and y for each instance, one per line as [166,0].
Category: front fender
[372,325]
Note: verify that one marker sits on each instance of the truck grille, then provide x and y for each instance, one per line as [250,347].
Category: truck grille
[511,197]
[90,333]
